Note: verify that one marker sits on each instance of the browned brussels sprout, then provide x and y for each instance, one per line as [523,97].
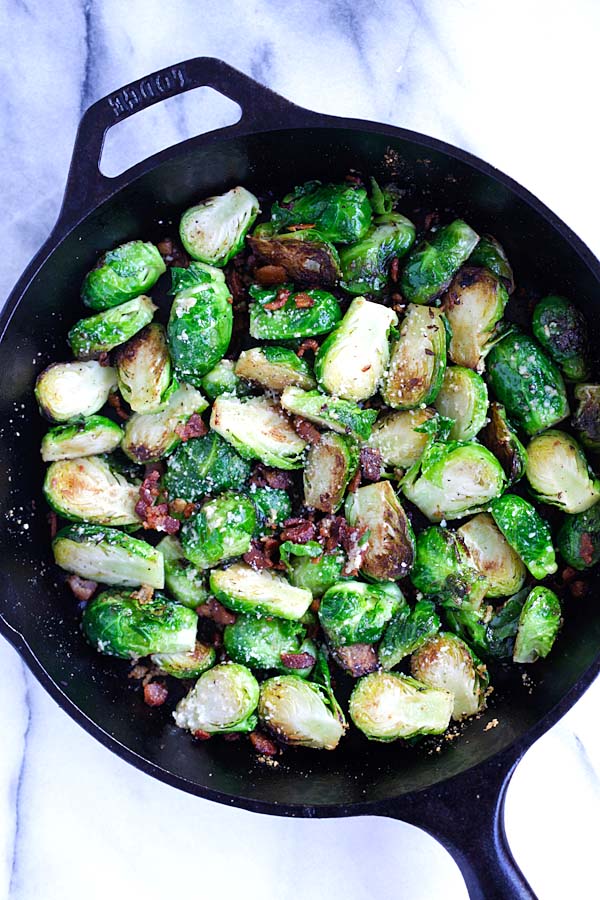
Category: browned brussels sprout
[474,306]
[587,415]
[561,329]
[307,258]
[391,542]
[502,440]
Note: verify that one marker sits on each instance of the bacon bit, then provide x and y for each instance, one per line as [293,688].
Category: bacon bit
[114,400]
[139,672]
[568,574]
[334,532]
[155,694]
[232,737]
[303,301]
[394,269]
[280,300]
[304,227]
[308,344]
[269,276]
[431,219]
[371,462]
[357,659]
[263,553]
[53,523]
[353,178]
[586,549]
[429,352]
[82,589]
[263,476]
[262,744]
[297,660]
[145,594]
[201,735]
[315,606]
[194,427]
[214,610]
[578,589]
[235,283]
[398,303]
[173,254]
[354,483]
[306,430]
[298,530]
[104,359]
[179,507]
[366,368]
[154,516]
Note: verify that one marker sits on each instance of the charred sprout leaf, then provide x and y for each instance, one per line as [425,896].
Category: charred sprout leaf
[356,613]
[257,429]
[390,551]
[445,662]
[297,713]
[397,438]
[386,706]
[342,416]
[221,529]
[88,490]
[587,416]
[213,231]
[365,265]
[503,442]
[330,465]
[464,399]
[104,554]
[206,465]
[144,369]
[272,505]
[223,700]
[558,472]
[150,436]
[431,265]
[319,572]
[183,580]
[122,274]
[306,257]
[418,360]
[223,380]
[526,532]
[98,334]
[579,538]
[90,437]
[494,558]
[260,643]
[243,589]
[304,313]
[561,329]
[406,631]
[539,624]
[66,392]
[444,569]
[339,212]
[489,254]
[274,368]
[186,664]
[474,306]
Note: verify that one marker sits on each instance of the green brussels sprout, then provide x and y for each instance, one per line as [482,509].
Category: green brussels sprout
[200,324]
[561,329]
[474,305]
[206,465]
[578,539]
[431,265]
[118,624]
[526,532]
[144,369]
[306,256]
[491,633]
[298,713]
[352,612]
[107,555]
[489,254]
[445,662]
[223,700]
[183,580]
[445,569]
[214,230]
[463,397]
[341,213]
[89,490]
[527,382]
[272,505]
[353,359]
[342,416]
[539,624]
[257,429]
[196,273]
[98,334]
[418,360]
[386,706]
[264,643]
[315,312]
[365,264]
[398,438]
[406,631]
[221,529]
[187,663]
[502,440]
[587,416]
[494,558]
[223,380]
[90,437]
[390,542]
[330,465]
[150,436]
[243,589]
[122,274]
[558,472]
[274,368]
[66,392]
[319,572]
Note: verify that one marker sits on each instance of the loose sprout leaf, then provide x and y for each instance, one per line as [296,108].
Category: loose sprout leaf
[502,440]
[311,549]
[322,677]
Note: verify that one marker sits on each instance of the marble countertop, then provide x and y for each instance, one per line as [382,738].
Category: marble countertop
[513,82]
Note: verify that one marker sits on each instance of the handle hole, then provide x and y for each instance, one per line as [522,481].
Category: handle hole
[167,123]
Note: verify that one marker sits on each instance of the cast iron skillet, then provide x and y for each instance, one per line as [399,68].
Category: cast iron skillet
[457,795]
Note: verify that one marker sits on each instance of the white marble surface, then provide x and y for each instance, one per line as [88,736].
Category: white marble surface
[514,81]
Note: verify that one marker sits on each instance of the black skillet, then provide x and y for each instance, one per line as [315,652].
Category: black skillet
[456,794]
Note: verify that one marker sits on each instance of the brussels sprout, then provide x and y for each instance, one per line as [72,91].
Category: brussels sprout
[67,391]
[306,256]
[200,325]
[539,623]
[578,539]
[445,662]
[150,436]
[274,368]
[464,398]
[223,380]
[257,429]
[213,231]
[88,490]
[144,369]
[386,706]
[263,643]
[561,329]
[418,359]
[503,442]
[406,631]
[431,265]
[493,556]
[221,529]
[341,213]
[186,664]
[183,580]
[526,532]
[587,416]
[489,254]
[107,555]
[330,465]
[304,314]
[351,362]
[196,273]
[474,306]
[272,505]
[527,382]
[365,264]
[342,416]
[317,573]
[223,700]
[117,623]
[243,589]
[398,437]
[297,713]
[205,465]
[122,274]
[491,634]
[352,612]
[444,568]
[558,472]
[391,542]
[98,334]
[88,438]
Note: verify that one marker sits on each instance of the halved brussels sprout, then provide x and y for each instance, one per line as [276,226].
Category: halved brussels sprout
[527,382]
[463,397]
[87,489]
[223,700]
[183,580]
[118,624]
[561,329]
[365,264]
[122,274]
[263,643]
[474,306]
[504,443]
[390,539]
[306,256]
[396,437]
[558,472]
[431,265]
[274,368]
[298,714]
[98,334]
[317,573]
[445,662]
[406,631]
[107,555]
[223,380]
[539,624]
[221,529]
[88,438]
[526,532]
[341,213]
[489,254]
[206,465]
[186,664]
[304,313]
[342,416]
[352,612]
[386,706]
[257,429]
[418,359]
[214,230]
[330,465]
[243,589]
[144,369]
[150,436]
[67,391]
[352,360]
[444,568]
[495,559]
[272,505]
[579,538]
[587,415]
